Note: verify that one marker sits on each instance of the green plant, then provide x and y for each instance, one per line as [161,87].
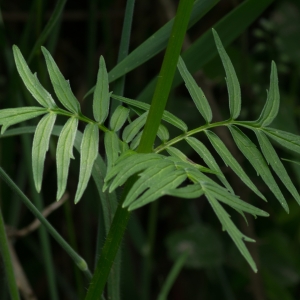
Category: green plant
[149,175]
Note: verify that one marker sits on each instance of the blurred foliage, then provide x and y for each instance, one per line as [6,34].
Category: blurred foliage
[88,29]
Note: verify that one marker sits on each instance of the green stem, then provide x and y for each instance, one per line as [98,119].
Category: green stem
[8,266]
[79,261]
[121,218]
[179,263]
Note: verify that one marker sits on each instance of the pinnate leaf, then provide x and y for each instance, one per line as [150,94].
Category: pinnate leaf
[237,237]
[31,81]
[195,91]
[40,146]
[230,161]
[111,143]
[163,133]
[60,84]
[88,154]
[11,116]
[205,154]
[257,161]
[275,162]
[167,116]
[101,94]
[64,152]
[233,86]
[271,107]
[118,118]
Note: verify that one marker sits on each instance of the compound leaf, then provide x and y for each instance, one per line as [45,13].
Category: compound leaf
[40,146]
[101,94]
[233,86]
[11,116]
[88,154]
[61,85]
[64,152]
[271,107]
[163,133]
[257,161]
[205,154]
[195,91]
[275,162]
[230,161]
[31,81]
[118,118]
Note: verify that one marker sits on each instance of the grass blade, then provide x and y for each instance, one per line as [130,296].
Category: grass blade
[195,92]
[156,43]
[257,161]
[101,94]
[88,155]
[40,146]
[61,85]
[11,116]
[64,153]
[230,161]
[275,162]
[233,86]
[31,81]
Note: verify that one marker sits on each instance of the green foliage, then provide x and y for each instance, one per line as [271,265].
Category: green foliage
[158,174]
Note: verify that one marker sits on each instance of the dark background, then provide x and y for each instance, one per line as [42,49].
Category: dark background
[88,29]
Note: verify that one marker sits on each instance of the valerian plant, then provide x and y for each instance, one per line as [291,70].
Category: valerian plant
[158,173]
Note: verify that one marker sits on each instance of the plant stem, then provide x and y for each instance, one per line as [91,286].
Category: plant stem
[79,261]
[159,101]
[8,266]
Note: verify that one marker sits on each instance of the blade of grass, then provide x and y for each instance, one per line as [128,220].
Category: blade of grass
[156,43]
[204,49]
[120,220]
[79,261]
[7,262]
[48,28]
[178,265]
